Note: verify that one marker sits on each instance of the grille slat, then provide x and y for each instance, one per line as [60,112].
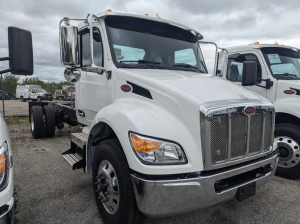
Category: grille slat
[218,131]
[238,131]
[255,133]
[268,127]
[259,135]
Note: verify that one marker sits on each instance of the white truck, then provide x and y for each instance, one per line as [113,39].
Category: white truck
[32,92]
[20,63]
[161,136]
[277,79]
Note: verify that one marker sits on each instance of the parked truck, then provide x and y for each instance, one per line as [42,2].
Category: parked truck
[161,136]
[277,74]
[20,63]
[66,93]
[32,92]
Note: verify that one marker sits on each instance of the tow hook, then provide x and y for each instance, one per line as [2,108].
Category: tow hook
[265,169]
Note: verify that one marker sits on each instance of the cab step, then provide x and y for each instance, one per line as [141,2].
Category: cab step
[76,155]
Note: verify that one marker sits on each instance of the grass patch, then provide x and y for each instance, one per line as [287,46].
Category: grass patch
[16,120]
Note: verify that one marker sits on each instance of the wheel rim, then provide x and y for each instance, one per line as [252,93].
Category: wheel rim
[289,152]
[108,187]
[32,122]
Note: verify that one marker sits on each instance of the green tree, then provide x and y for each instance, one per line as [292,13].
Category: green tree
[10,82]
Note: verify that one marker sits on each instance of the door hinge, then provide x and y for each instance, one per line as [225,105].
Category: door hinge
[108,74]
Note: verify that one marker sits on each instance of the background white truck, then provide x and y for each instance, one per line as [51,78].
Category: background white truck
[156,139]
[277,79]
[20,63]
[32,92]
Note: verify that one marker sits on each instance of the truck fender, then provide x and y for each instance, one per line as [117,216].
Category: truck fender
[139,117]
[288,106]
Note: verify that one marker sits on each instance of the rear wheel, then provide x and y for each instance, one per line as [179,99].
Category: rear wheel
[49,114]
[288,140]
[37,122]
[22,99]
[112,185]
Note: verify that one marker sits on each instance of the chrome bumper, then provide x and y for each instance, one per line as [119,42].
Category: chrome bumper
[157,198]
[7,212]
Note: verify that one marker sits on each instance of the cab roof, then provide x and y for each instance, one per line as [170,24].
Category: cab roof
[257,46]
[105,14]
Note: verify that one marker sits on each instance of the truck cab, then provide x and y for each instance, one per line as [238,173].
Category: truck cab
[278,80]
[161,136]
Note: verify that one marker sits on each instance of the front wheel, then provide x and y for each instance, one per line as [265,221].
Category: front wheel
[112,185]
[39,99]
[287,137]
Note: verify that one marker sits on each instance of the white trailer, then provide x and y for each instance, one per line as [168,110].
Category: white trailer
[32,92]
[161,136]
[276,74]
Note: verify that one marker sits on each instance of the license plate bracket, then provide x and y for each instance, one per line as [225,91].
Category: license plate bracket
[246,191]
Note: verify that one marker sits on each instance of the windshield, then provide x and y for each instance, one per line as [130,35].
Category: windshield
[40,91]
[284,63]
[141,43]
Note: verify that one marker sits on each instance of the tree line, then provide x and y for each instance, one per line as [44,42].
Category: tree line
[11,81]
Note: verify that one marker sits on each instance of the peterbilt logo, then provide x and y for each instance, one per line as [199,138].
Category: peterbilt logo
[249,110]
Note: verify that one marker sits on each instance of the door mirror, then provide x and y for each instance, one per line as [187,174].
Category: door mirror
[20,51]
[249,73]
[69,50]
[72,76]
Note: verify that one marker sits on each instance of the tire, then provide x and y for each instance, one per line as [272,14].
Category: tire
[288,139]
[39,99]
[37,122]
[33,100]
[22,99]
[49,121]
[125,211]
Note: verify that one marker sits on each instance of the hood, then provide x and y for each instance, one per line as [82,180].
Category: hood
[197,86]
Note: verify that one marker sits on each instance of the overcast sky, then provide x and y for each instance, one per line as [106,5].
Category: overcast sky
[226,22]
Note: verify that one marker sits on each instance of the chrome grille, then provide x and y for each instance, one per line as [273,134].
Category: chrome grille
[268,126]
[238,131]
[229,136]
[255,140]
[219,126]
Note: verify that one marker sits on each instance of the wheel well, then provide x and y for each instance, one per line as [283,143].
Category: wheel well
[286,118]
[99,133]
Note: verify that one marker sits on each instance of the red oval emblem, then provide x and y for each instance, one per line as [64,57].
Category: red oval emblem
[249,110]
[126,88]
[289,91]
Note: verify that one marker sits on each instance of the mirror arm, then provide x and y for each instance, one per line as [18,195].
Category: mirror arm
[269,83]
[5,70]
[216,57]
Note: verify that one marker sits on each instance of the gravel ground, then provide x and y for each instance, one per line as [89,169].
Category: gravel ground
[48,191]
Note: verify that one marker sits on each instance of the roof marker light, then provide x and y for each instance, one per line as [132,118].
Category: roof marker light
[256,42]
[146,15]
[108,10]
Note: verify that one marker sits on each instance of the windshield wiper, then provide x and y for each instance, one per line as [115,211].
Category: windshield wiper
[288,74]
[184,65]
[150,63]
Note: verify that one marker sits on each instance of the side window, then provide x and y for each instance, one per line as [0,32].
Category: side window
[235,67]
[186,56]
[97,48]
[85,49]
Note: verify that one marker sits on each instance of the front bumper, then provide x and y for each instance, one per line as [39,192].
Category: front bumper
[46,97]
[157,198]
[7,212]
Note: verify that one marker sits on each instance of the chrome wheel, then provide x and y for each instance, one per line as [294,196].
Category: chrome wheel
[289,152]
[108,187]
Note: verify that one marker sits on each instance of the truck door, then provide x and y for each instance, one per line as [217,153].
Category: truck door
[235,70]
[91,90]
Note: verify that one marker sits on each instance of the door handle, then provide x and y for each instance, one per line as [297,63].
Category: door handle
[81,113]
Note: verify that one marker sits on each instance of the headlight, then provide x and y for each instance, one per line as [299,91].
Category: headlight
[5,165]
[155,151]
